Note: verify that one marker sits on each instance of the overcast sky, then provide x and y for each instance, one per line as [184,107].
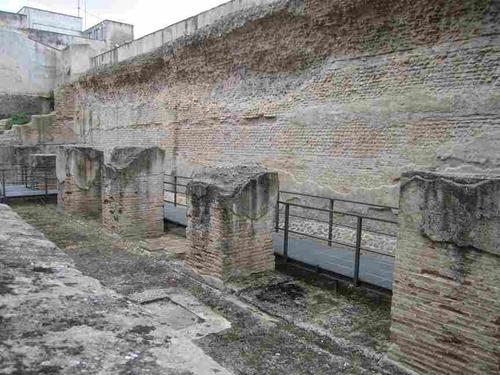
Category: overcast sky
[146,15]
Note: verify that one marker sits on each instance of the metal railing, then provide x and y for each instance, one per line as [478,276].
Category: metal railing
[177,187]
[339,227]
[357,246]
[330,212]
[20,181]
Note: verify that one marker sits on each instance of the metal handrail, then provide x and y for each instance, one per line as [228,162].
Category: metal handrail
[342,225]
[175,185]
[38,178]
[358,248]
[338,212]
[337,199]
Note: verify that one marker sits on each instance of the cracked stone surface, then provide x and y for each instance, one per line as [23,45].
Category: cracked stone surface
[279,324]
[55,320]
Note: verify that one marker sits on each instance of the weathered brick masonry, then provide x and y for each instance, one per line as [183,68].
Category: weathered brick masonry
[79,173]
[337,96]
[230,221]
[132,199]
[446,301]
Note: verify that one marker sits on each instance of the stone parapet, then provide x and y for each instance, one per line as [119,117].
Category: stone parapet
[79,173]
[230,221]
[446,301]
[133,192]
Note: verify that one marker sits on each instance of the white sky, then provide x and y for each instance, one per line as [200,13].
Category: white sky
[146,15]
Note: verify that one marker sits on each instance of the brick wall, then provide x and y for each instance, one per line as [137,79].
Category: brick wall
[338,97]
[446,297]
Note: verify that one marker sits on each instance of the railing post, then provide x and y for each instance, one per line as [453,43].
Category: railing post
[357,254]
[285,237]
[45,181]
[330,223]
[175,191]
[277,220]
[4,190]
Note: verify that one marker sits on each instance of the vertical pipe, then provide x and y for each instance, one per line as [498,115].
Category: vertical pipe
[285,239]
[330,223]
[277,220]
[357,254]
[175,191]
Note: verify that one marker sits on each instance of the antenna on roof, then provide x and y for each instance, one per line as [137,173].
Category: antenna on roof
[78,8]
[85,10]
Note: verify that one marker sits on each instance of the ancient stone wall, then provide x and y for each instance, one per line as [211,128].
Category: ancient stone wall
[231,214]
[132,199]
[446,301]
[337,96]
[79,173]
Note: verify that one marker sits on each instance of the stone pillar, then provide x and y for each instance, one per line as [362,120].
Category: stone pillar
[230,221]
[133,192]
[446,297]
[79,173]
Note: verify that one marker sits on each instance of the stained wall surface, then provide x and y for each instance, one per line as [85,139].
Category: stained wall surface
[446,296]
[132,193]
[79,174]
[27,73]
[339,97]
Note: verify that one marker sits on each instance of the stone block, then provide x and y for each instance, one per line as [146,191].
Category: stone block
[446,297]
[79,173]
[133,192]
[231,215]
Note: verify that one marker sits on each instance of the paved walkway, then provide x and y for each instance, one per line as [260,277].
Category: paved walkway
[19,191]
[376,270]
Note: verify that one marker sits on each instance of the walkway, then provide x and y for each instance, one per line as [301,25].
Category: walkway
[21,191]
[375,270]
